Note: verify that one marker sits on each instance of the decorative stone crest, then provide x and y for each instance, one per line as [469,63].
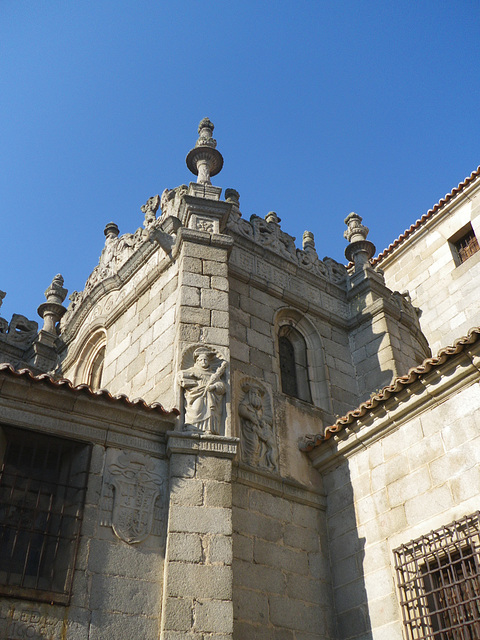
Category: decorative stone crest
[204,389]
[267,233]
[136,487]
[257,437]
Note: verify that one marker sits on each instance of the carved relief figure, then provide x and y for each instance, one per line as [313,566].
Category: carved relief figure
[257,437]
[136,486]
[203,390]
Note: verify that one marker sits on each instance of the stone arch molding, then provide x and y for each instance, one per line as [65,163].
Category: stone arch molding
[317,370]
[95,343]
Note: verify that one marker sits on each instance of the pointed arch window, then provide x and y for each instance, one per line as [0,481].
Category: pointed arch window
[293,363]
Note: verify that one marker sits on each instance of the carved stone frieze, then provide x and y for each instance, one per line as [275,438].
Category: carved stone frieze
[257,436]
[133,484]
[204,388]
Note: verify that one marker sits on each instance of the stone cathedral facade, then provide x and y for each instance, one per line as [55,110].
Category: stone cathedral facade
[224,436]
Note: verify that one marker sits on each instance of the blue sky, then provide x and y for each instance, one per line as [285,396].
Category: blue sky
[320,108]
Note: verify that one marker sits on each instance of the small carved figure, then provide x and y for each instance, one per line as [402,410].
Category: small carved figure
[204,391]
[258,440]
[150,209]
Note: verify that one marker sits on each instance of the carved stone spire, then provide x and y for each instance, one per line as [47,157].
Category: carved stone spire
[204,160]
[360,250]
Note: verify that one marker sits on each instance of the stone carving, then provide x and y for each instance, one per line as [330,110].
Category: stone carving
[203,390]
[257,441]
[20,331]
[203,224]
[136,487]
[268,233]
[170,200]
[150,209]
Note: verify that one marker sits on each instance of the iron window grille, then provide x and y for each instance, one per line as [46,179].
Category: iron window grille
[42,492]
[439,582]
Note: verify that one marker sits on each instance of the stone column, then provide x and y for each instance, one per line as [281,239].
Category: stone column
[197,589]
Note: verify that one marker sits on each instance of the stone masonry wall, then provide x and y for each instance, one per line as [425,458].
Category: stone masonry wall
[281,585]
[446,293]
[415,479]
[139,325]
[253,340]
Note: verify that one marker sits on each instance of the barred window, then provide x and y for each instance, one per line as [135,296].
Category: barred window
[439,581]
[42,492]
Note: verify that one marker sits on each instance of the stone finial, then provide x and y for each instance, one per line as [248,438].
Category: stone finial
[308,241]
[204,160]
[111,229]
[205,131]
[55,292]
[356,230]
[360,250]
[2,296]
[231,195]
[272,217]
[52,310]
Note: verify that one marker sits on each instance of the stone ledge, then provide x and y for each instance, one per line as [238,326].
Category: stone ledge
[283,487]
[204,443]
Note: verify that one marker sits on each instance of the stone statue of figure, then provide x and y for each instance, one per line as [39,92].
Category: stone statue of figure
[204,391]
[258,440]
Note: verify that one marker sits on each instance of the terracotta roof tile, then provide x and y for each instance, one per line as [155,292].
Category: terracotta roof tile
[399,383]
[449,196]
[85,388]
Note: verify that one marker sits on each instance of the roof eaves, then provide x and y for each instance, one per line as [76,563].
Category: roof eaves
[421,221]
[309,442]
[138,403]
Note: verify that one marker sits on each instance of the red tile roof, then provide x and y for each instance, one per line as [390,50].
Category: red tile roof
[449,196]
[85,388]
[399,383]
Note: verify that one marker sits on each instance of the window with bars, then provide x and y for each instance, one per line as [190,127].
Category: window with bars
[439,582]
[464,244]
[42,492]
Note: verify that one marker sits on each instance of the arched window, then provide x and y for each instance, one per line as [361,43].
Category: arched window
[301,360]
[90,363]
[293,363]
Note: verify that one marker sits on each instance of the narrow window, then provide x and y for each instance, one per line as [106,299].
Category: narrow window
[42,492]
[293,363]
[439,581]
[96,370]
[463,244]
[288,369]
